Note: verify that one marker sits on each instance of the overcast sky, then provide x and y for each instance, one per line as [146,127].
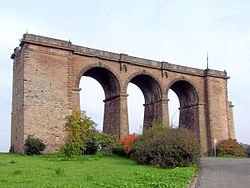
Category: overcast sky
[177,31]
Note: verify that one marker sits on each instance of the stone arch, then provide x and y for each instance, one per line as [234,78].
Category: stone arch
[143,72]
[189,102]
[111,86]
[197,94]
[97,65]
[152,90]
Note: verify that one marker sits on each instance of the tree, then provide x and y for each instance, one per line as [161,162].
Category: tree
[78,126]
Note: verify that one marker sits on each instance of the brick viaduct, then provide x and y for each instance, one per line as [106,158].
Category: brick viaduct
[46,76]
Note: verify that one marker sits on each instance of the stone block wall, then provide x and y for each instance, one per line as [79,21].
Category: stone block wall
[45,96]
[17,116]
[217,110]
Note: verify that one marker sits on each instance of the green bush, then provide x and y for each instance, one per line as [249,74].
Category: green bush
[230,147]
[163,147]
[33,146]
[247,151]
[108,141]
[72,149]
[91,142]
[120,151]
[11,150]
[98,140]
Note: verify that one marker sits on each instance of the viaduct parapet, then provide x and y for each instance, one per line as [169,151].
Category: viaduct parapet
[46,77]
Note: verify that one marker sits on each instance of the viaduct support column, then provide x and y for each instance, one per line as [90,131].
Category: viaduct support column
[148,116]
[202,128]
[193,118]
[124,128]
[76,98]
[216,109]
[116,116]
[165,113]
[189,118]
[155,112]
[231,120]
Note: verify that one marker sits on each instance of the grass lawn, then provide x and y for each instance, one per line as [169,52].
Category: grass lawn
[101,170]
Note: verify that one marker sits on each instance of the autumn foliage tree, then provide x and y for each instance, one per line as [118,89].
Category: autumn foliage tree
[78,126]
[83,138]
[126,144]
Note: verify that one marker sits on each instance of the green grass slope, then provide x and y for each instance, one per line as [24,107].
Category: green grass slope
[101,170]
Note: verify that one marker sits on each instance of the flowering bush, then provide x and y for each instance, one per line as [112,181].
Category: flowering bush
[127,142]
[125,146]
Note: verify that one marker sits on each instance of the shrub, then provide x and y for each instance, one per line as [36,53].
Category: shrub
[91,142]
[108,141]
[96,140]
[72,149]
[230,147]
[247,149]
[163,147]
[120,151]
[33,146]
[78,126]
[11,150]
[125,148]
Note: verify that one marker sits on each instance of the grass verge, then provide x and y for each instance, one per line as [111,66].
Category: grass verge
[101,170]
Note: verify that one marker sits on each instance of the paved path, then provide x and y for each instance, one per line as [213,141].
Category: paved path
[224,173]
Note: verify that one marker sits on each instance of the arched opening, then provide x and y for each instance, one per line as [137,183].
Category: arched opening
[91,100]
[135,109]
[173,109]
[110,93]
[188,98]
[152,96]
